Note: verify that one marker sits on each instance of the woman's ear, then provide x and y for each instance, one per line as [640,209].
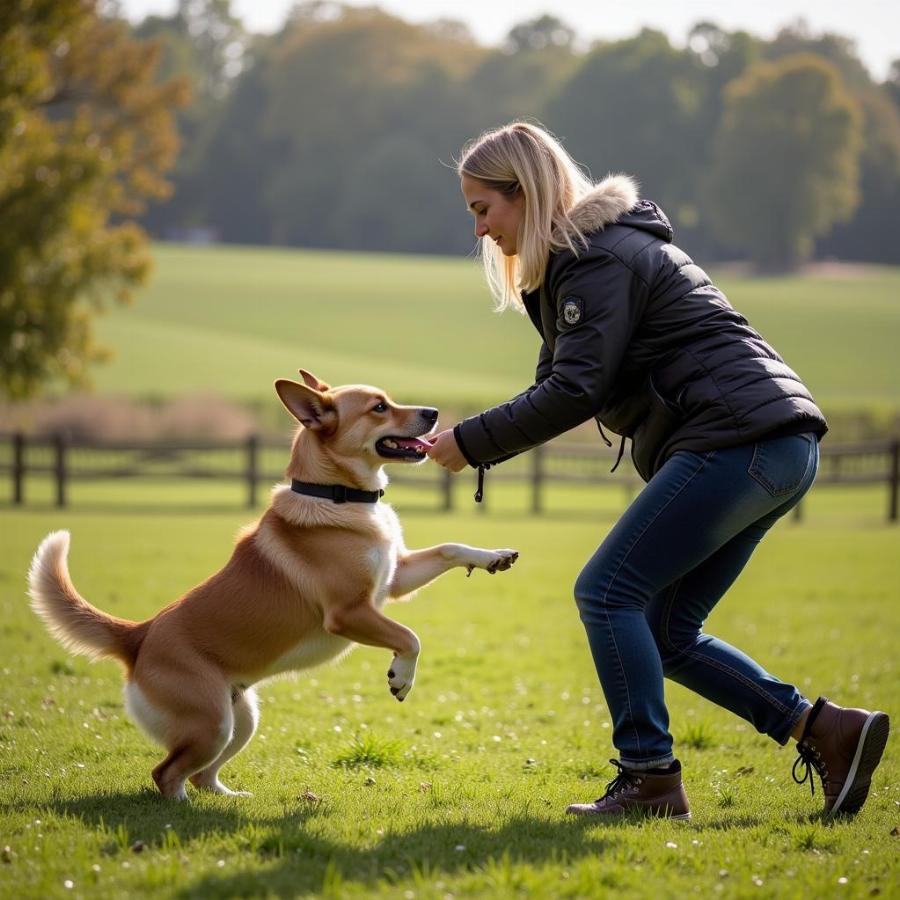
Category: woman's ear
[309,407]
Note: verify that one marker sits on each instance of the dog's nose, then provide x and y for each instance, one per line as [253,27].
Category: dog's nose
[429,414]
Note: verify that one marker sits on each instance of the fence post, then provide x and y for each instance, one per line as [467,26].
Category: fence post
[446,486]
[18,471]
[252,471]
[59,468]
[537,478]
[894,482]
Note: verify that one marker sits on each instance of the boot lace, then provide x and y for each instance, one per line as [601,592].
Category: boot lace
[808,758]
[623,780]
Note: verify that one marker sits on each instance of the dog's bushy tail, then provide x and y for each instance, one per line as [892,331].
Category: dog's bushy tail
[78,626]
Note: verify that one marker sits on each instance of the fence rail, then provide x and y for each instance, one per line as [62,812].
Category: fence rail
[256,461]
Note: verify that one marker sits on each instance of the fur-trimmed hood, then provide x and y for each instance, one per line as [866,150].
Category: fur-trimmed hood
[617,199]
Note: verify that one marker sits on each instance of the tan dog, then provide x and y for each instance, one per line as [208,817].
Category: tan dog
[304,585]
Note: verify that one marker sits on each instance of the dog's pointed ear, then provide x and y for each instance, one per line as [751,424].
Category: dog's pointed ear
[313,382]
[308,406]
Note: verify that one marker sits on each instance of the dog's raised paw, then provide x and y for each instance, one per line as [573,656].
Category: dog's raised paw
[505,560]
[491,560]
[401,675]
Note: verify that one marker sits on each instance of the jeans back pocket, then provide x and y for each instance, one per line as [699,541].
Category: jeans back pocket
[781,464]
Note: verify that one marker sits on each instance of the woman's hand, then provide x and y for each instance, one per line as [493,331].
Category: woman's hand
[445,451]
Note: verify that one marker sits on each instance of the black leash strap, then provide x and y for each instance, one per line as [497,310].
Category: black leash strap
[479,491]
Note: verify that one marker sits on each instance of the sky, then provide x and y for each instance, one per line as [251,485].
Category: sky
[873,24]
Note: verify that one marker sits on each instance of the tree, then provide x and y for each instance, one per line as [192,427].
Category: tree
[868,235]
[724,55]
[540,33]
[203,42]
[636,106]
[537,57]
[85,138]
[786,160]
[892,85]
[336,91]
[397,165]
[236,158]
[871,233]
[838,50]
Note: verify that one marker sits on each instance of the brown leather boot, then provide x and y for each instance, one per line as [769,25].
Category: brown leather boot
[844,746]
[636,791]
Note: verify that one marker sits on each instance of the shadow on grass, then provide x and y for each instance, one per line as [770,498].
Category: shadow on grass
[145,816]
[299,860]
[303,863]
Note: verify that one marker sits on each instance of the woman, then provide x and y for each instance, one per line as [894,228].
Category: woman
[723,431]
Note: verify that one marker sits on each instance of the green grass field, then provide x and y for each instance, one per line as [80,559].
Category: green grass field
[460,791]
[234,319]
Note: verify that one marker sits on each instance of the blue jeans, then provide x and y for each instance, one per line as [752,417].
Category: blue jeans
[648,589]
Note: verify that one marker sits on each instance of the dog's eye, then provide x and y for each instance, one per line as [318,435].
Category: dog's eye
[380,408]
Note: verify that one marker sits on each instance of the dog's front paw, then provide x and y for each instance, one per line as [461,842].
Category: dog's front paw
[402,674]
[493,561]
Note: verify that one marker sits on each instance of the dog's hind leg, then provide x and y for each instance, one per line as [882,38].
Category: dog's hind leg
[199,732]
[197,751]
[194,738]
[246,717]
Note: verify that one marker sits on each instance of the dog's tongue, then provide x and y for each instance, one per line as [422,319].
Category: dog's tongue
[415,444]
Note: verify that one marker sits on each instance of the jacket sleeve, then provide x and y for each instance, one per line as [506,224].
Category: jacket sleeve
[544,367]
[542,371]
[599,302]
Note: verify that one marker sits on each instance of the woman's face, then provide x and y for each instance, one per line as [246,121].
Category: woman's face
[497,216]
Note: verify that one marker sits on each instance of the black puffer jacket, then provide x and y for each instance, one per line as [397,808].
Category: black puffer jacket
[636,335]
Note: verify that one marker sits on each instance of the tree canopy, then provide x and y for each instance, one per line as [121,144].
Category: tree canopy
[340,130]
[86,134]
[791,130]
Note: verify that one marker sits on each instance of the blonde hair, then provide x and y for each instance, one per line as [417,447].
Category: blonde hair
[526,157]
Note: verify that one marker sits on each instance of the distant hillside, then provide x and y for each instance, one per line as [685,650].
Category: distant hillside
[233,319]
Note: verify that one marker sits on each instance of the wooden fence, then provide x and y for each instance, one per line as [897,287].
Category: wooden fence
[256,461]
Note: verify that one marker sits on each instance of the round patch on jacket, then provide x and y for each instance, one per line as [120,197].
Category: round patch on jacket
[572,310]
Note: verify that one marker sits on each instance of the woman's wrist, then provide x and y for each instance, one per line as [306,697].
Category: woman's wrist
[457,434]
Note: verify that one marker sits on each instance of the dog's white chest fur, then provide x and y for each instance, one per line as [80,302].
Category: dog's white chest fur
[381,561]
[382,556]
[316,648]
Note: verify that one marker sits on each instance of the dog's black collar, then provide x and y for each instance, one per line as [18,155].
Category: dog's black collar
[337,493]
